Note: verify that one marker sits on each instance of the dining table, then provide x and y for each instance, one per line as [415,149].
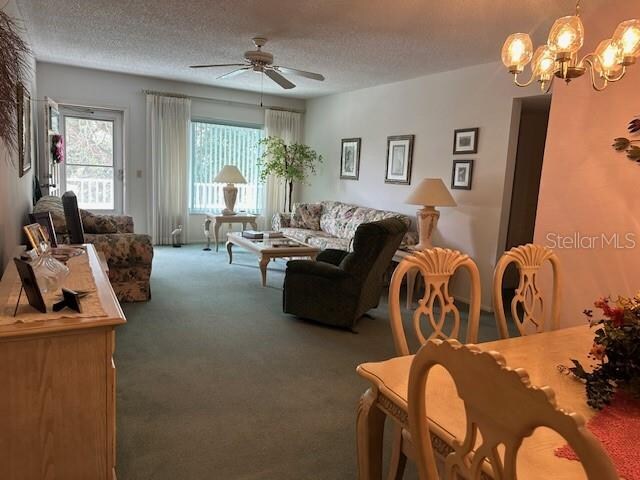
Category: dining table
[540,355]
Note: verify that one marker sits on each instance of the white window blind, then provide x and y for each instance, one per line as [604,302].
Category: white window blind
[215,145]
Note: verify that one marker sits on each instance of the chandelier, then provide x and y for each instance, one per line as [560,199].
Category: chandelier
[559,57]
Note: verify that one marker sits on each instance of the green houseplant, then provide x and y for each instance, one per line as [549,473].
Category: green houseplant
[292,163]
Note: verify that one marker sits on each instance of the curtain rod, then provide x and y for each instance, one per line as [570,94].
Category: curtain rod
[220,101]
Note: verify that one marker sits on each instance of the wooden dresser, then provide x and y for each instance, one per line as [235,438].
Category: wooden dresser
[58,391]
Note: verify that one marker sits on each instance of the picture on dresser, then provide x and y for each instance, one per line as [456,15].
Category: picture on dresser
[465,140]
[350,159]
[37,237]
[399,157]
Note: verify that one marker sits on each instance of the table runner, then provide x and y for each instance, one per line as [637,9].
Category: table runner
[617,426]
[80,278]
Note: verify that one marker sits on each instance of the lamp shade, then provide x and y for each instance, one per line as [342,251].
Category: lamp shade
[431,192]
[229,174]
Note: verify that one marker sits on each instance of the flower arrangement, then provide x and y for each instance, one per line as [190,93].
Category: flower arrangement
[57,148]
[616,349]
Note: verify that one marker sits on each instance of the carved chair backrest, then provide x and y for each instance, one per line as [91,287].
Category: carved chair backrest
[437,266]
[528,305]
[493,420]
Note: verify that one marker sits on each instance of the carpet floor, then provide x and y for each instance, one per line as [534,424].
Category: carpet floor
[215,382]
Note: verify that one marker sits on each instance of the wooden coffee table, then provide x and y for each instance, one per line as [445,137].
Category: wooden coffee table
[271,248]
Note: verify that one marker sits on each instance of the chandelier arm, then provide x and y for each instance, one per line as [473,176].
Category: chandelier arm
[592,71]
[526,84]
[548,89]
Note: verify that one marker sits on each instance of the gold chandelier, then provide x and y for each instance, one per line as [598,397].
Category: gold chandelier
[559,57]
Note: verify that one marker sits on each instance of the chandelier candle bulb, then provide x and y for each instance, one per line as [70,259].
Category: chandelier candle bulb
[609,58]
[566,36]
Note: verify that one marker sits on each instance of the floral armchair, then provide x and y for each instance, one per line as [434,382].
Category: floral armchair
[128,255]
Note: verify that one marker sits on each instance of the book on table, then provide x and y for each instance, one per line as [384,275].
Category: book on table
[257,235]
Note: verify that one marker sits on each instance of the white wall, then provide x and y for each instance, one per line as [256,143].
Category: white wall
[431,108]
[96,88]
[15,192]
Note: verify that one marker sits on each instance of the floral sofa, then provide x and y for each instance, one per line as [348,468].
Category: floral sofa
[129,255]
[332,224]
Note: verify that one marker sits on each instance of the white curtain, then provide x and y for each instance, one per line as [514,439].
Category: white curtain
[168,120]
[288,126]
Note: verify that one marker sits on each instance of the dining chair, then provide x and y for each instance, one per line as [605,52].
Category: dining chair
[528,305]
[502,410]
[437,307]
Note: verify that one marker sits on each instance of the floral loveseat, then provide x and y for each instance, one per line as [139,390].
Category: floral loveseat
[332,224]
[128,255]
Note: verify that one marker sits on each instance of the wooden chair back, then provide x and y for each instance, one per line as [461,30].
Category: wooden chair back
[529,259]
[437,266]
[502,409]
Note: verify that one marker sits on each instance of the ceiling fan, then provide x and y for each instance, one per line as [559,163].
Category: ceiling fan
[261,61]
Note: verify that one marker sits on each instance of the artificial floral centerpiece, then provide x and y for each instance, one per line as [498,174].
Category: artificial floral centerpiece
[616,349]
[293,163]
[57,148]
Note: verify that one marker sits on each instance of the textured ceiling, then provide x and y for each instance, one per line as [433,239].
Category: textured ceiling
[355,43]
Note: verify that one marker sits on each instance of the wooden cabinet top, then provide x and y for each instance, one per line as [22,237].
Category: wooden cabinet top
[111,306]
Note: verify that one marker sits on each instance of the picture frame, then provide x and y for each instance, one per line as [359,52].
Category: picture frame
[52,116]
[350,159]
[46,222]
[30,286]
[399,159]
[25,148]
[37,237]
[462,174]
[465,140]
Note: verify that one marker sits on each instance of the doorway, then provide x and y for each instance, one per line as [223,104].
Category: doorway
[527,170]
[93,167]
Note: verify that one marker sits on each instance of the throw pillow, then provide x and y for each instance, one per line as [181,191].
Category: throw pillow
[99,224]
[306,215]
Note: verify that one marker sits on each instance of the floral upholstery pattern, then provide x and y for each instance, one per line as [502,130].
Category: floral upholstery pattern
[338,224]
[306,215]
[128,255]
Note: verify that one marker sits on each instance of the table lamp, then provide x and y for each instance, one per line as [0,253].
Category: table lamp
[229,175]
[431,193]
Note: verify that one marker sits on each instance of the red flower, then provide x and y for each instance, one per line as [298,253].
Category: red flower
[602,303]
[616,315]
[597,351]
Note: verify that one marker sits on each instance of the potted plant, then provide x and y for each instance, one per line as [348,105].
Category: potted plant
[292,163]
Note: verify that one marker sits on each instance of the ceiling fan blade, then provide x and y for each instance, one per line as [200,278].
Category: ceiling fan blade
[218,65]
[233,73]
[302,73]
[279,79]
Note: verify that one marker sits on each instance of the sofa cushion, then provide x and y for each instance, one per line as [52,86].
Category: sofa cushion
[300,234]
[335,217]
[324,242]
[98,224]
[306,215]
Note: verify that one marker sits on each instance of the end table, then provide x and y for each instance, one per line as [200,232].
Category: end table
[219,219]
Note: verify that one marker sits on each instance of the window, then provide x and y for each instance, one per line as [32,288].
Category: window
[93,158]
[214,146]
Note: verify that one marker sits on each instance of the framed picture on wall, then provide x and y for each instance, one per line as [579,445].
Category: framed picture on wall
[350,159]
[399,158]
[465,140]
[52,117]
[462,174]
[25,150]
